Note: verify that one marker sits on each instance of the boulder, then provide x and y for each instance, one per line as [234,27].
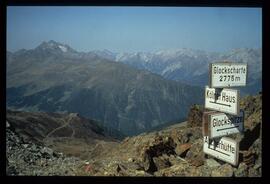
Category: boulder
[241,171]
[212,163]
[47,151]
[254,172]
[158,147]
[195,155]
[195,116]
[161,162]
[175,170]
[7,124]
[225,170]
[182,149]
[249,158]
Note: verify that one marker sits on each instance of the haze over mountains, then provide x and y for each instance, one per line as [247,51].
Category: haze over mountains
[191,66]
[53,77]
[119,98]
[129,92]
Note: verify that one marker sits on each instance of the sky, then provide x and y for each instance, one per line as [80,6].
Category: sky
[131,29]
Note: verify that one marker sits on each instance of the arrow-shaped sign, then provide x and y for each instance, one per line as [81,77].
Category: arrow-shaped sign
[218,124]
[227,128]
[224,100]
[220,104]
[225,149]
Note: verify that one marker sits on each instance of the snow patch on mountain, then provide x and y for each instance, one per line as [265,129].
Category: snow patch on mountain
[64,49]
[171,68]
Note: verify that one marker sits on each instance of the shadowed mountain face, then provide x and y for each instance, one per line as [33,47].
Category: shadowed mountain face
[54,77]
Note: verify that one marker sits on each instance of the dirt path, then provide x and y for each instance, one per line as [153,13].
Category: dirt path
[73,131]
[66,123]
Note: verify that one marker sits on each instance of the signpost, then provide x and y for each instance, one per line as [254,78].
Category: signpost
[224,100]
[218,124]
[225,149]
[230,119]
[228,74]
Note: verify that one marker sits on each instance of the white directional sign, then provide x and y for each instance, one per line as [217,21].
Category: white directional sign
[224,100]
[219,124]
[225,149]
[227,74]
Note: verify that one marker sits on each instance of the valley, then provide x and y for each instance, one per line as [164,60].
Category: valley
[120,96]
[175,150]
[133,91]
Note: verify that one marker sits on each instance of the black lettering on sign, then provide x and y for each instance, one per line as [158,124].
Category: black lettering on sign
[226,147]
[210,94]
[229,70]
[221,122]
[227,98]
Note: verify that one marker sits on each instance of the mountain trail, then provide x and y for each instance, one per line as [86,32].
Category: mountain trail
[67,123]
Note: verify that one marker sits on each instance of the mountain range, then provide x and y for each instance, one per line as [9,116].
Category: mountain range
[191,66]
[53,77]
[104,114]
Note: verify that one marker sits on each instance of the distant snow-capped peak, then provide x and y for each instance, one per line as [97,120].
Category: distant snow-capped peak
[63,48]
[53,45]
[142,56]
[170,53]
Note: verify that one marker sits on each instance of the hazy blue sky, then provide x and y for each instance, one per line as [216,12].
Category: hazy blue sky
[135,28]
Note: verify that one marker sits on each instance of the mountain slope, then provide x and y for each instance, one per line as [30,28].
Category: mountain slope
[67,133]
[122,97]
[178,150]
[173,151]
[32,159]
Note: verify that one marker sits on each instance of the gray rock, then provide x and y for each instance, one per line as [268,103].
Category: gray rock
[46,150]
[225,170]
[181,149]
[249,158]
[195,155]
[205,171]
[7,124]
[141,173]
[33,147]
[11,171]
[211,163]
[25,145]
[253,172]
[195,116]
[17,140]
[257,166]
[161,162]
[242,170]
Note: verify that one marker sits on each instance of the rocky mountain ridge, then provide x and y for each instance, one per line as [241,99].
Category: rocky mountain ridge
[173,151]
[178,150]
[121,97]
[184,64]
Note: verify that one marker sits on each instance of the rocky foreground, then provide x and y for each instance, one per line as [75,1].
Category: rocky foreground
[174,151]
